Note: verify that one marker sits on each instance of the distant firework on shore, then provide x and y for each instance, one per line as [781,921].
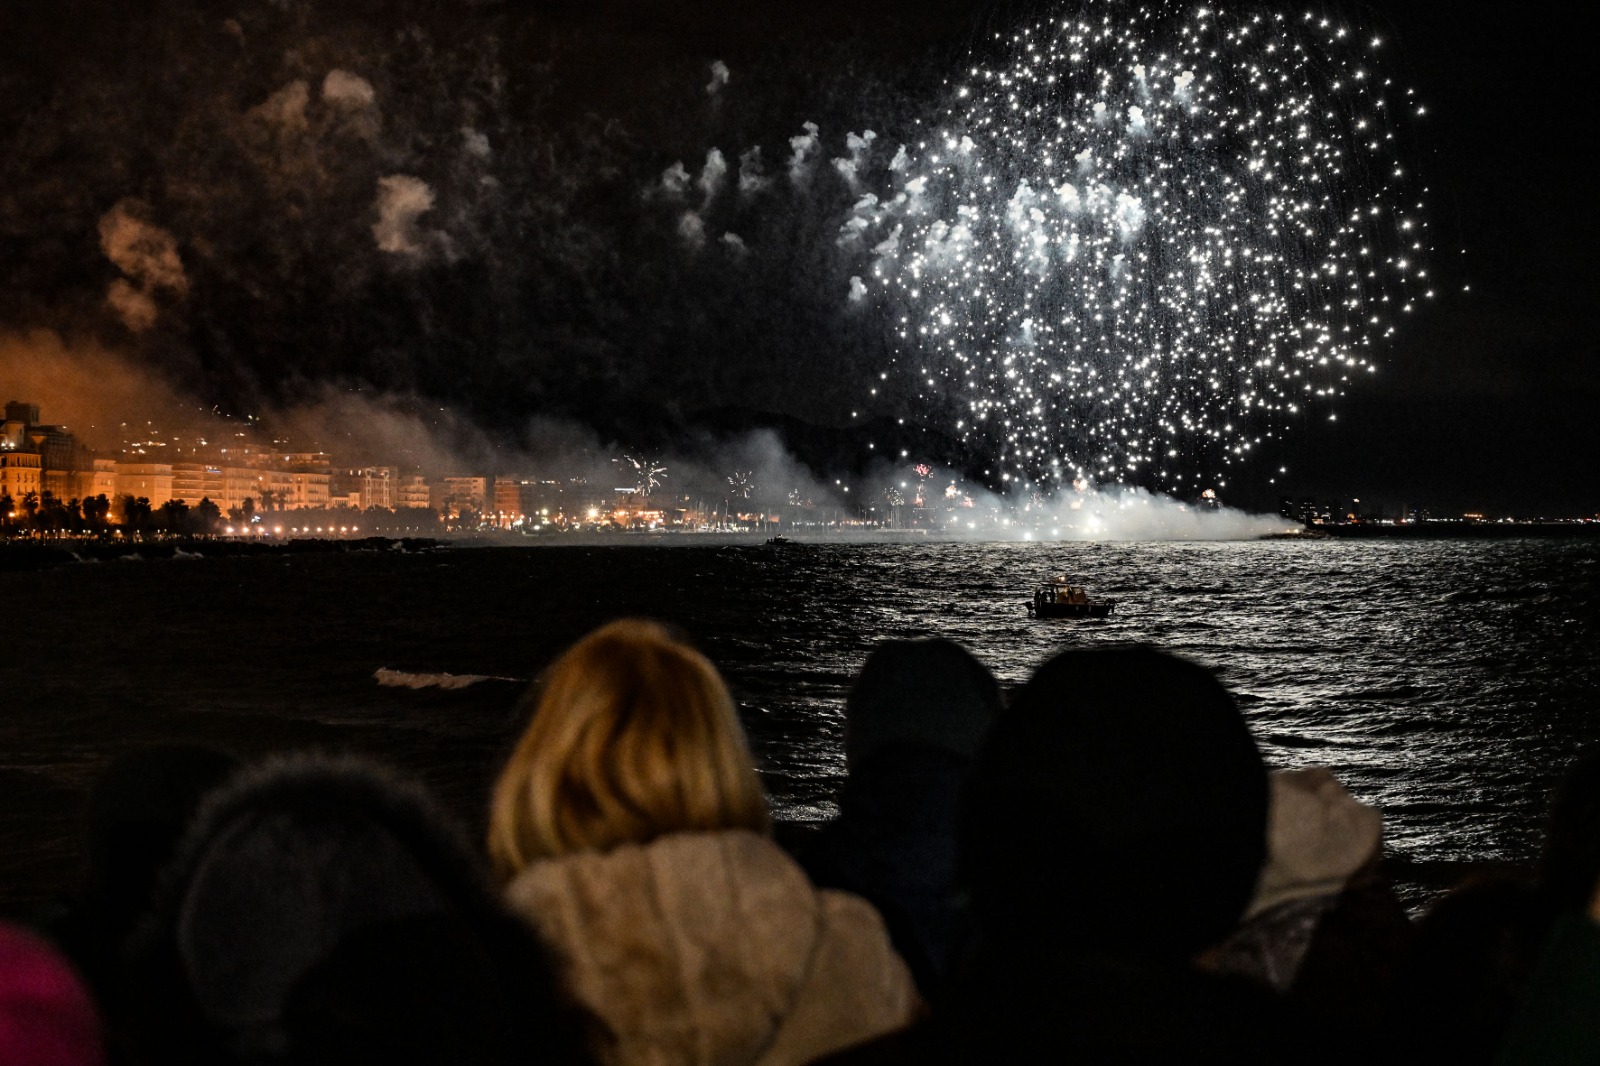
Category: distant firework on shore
[1139,240]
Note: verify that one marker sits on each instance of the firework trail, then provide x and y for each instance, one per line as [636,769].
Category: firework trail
[648,474]
[1140,240]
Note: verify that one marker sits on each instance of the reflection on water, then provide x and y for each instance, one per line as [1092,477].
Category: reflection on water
[1446,682]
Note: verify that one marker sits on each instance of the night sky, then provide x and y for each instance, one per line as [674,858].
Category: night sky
[460,204]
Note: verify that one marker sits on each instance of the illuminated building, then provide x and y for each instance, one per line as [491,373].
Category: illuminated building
[413,490]
[307,488]
[19,474]
[153,481]
[13,431]
[458,494]
[238,482]
[508,500]
[273,489]
[60,456]
[368,486]
[196,481]
[98,477]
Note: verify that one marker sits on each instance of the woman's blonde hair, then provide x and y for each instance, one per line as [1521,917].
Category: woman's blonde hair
[633,736]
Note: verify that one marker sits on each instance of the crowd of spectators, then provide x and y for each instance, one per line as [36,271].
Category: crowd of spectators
[1099,869]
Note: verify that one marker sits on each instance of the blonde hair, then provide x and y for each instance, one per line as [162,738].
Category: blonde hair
[633,736]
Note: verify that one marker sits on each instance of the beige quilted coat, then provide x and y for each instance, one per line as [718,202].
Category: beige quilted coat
[714,948]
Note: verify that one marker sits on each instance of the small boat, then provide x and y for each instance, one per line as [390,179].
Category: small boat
[779,540]
[1058,598]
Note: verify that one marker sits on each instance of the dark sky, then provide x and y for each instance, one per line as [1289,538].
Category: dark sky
[534,282]
[1488,399]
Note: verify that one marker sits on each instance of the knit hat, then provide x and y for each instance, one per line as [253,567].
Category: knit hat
[322,910]
[1317,836]
[1119,805]
[46,1016]
[925,692]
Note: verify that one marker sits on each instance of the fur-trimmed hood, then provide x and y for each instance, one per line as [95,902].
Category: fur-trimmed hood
[1318,835]
[323,909]
[714,948]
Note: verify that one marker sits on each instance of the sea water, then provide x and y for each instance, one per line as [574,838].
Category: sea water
[1446,682]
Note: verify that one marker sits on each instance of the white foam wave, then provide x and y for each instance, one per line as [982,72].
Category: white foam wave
[406,679]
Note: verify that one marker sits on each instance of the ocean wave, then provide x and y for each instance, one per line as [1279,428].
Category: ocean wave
[406,679]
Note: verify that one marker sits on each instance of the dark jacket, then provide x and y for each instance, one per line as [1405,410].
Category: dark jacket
[894,845]
[914,721]
[1028,1005]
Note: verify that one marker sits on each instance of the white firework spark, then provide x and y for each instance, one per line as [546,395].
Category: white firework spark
[1147,236]
[648,474]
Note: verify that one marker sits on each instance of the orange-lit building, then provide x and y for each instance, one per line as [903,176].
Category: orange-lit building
[307,489]
[458,494]
[368,486]
[413,491]
[20,474]
[196,481]
[507,501]
[97,478]
[153,481]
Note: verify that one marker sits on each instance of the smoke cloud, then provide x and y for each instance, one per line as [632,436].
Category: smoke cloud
[148,257]
[402,200]
[347,90]
[284,110]
[801,148]
[719,78]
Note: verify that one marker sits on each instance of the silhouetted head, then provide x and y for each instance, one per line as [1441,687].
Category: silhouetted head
[633,736]
[927,693]
[1119,805]
[322,910]
[1569,866]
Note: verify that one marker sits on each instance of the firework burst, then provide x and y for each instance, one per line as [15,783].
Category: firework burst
[648,474]
[1142,239]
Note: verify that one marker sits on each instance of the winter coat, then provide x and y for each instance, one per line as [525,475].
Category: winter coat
[894,845]
[714,948]
[1324,927]
[1318,838]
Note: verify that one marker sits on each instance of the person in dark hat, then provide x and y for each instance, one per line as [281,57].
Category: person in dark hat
[914,721]
[1113,830]
[321,910]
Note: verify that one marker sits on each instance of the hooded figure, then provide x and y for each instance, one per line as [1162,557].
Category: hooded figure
[1323,927]
[914,721]
[320,910]
[1320,838]
[1114,828]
